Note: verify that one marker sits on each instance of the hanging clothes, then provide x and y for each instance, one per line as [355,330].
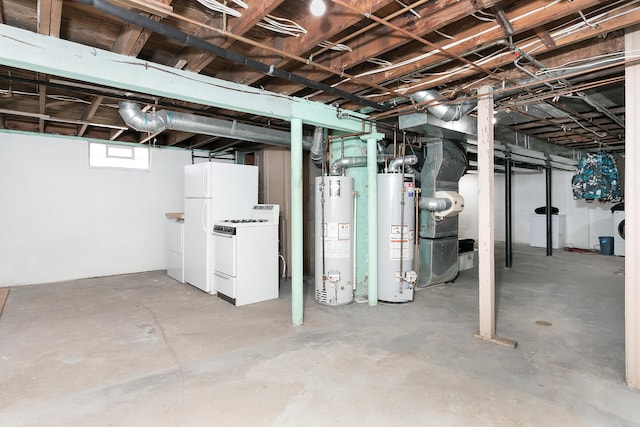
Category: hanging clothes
[597,178]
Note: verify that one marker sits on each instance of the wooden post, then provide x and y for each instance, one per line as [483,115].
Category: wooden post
[486,260]
[632,207]
[4,294]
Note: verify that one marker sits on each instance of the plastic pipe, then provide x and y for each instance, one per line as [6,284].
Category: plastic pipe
[297,244]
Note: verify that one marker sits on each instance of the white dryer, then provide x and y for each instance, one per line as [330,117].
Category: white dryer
[618,233]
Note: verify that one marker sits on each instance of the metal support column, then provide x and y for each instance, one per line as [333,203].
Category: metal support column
[372,184]
[507,214]
[297,243]
[548,210]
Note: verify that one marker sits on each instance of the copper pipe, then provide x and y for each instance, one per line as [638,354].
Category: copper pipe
[418,38]
[368,27]
[284,54]
[406,110]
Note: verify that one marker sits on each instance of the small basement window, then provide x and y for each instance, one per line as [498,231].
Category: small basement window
[118,156]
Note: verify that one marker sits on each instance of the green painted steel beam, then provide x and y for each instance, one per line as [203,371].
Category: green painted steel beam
[372,183]
[297,234]
[35,52]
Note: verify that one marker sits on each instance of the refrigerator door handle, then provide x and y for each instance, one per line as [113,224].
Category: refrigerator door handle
[205,179]
[204,216]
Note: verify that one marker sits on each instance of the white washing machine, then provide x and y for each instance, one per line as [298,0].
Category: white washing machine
[618,233]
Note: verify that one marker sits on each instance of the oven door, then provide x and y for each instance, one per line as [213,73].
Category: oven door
[224,253]
[224,265]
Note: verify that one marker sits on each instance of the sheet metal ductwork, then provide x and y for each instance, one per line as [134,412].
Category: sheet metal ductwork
[444,164]
[317,145]
[443,111]
[433,204]
[396,164]
[161,120]
[348,162]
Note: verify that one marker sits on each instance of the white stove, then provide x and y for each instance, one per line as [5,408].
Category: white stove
[245,268]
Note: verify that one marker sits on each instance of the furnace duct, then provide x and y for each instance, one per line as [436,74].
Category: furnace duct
[434,204]
[446,112]
[440,203]
[317,144]
[396,164]
[158,121]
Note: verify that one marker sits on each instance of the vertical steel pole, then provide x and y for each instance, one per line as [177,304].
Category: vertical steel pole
[372,184]
[297,242]
[507,207]
[549,222]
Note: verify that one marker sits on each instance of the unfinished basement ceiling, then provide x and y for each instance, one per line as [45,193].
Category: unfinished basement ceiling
[557,66]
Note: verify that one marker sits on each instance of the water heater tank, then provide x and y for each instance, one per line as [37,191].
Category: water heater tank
[396,237]
[334,240]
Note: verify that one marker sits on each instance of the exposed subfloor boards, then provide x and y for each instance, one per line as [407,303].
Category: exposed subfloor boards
[145,350]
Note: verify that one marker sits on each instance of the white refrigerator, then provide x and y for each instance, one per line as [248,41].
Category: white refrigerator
[213,191]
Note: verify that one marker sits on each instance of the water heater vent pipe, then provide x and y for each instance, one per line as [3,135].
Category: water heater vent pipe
[398,162]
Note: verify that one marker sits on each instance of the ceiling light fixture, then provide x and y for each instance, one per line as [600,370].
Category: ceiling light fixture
[318,8]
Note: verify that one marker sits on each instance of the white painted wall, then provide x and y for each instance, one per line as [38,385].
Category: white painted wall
[61,219]
[585,222]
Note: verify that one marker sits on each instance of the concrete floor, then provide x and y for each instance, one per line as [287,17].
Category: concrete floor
[145,350]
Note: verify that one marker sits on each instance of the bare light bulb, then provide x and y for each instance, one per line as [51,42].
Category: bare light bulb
[318,8]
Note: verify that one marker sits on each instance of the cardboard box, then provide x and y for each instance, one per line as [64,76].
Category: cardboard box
[467,260]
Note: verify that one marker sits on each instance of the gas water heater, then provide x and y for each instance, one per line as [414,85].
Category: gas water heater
[396,237]
[334,271]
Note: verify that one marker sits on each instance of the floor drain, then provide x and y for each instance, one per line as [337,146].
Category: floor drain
[543,323]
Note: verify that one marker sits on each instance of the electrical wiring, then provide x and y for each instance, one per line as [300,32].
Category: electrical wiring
[378,61]
[221,8]
[531,46]
[590,62]
[410,10]
[282,26]
[452,45]
[334,46]
[482,18]
[446,36]
[596,17]
[12,92]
